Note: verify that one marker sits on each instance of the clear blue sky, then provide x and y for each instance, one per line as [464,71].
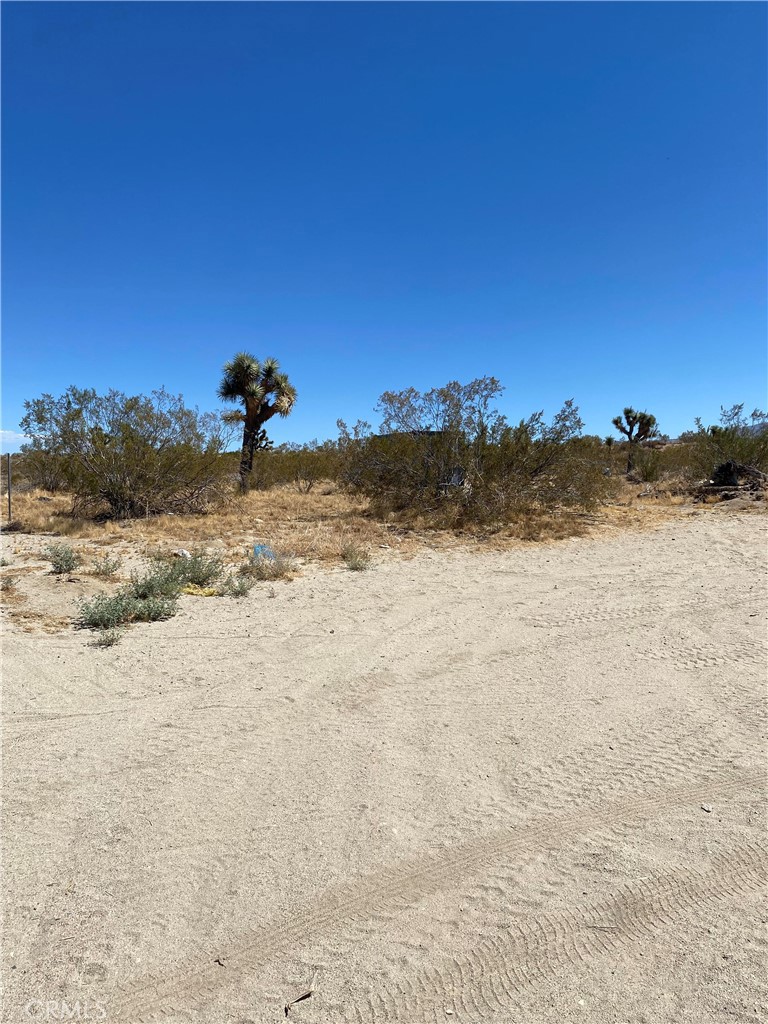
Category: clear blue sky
[570,197]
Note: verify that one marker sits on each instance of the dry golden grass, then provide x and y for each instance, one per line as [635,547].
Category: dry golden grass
[321,525]
[38,622]
[314,526]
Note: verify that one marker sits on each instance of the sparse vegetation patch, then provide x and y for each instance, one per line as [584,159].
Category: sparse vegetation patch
[237,586]
[106,568]
[107,638]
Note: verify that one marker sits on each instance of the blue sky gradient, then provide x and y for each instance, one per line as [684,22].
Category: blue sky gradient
[569,197]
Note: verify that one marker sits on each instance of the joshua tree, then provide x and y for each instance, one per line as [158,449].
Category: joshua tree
[636,427]
[263,392]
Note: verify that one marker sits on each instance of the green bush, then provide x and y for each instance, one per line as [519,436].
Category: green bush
[63,558]
[154,595]
[109,611]
[648,465]
[153,609]
[300,465]
[106,611]
[201,570]
[164,580]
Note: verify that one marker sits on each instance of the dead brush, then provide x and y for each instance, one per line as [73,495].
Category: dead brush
[266,569]
[9,591]
[311,526]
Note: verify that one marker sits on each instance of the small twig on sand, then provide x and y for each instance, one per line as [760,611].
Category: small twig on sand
[304,995]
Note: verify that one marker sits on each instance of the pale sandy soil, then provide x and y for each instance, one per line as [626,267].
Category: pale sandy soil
[463,787]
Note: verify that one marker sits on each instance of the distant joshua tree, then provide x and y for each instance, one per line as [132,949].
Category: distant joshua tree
[636,427]
[263,391]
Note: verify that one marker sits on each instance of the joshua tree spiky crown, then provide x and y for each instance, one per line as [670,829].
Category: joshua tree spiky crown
[245,379]
[643,422]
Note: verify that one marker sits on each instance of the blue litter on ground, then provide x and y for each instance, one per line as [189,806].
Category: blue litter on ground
[263,551]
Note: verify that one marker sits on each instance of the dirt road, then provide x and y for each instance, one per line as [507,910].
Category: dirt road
[524,786]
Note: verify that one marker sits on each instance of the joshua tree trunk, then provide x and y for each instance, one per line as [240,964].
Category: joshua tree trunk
[246,456]
[630,457]
[254,421]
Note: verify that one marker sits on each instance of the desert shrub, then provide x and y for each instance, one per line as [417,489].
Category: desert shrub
[648,465]
[36,470]
[304,465]
[8,584]
[106,611]
[106,567]
[357,559]
[153,609]
[133,455]
[63,558]
[109,611]
[545,466]
[154,595]
[737,437]
[265,472]
[165,579]
[448,455]
[200,570]
[300,465]
[168,575]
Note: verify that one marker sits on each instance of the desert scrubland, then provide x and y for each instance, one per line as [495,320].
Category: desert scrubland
[513,784]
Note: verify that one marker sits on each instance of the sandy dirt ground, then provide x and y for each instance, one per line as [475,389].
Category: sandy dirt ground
[522,786]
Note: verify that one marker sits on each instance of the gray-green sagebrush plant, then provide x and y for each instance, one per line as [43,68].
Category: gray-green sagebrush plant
[262,392]
[154,595]
[63,558]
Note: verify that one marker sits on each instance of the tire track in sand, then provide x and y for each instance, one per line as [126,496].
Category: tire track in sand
[489,977]
[390,891]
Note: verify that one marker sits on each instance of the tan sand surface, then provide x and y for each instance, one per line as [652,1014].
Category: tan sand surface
[521,786]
